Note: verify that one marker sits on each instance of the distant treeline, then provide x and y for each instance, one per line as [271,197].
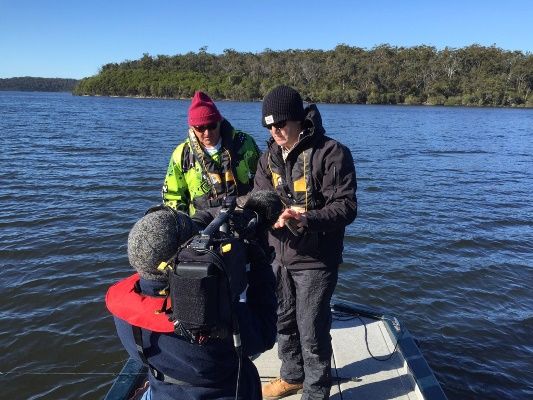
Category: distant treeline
[28,83]
[474,75]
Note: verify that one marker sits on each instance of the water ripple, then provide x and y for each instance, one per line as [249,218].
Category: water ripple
[443,238]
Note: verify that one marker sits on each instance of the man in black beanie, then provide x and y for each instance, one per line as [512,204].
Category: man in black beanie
[315,178]
[179,367]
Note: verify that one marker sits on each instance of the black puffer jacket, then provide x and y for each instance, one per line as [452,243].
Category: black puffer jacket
[335,204]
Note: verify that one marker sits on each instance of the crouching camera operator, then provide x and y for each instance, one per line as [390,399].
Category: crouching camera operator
[200,304]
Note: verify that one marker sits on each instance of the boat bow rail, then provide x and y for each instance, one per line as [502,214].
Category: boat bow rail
[129,380]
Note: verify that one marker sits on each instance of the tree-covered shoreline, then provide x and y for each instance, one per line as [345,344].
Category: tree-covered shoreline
[33,84]
[471,76]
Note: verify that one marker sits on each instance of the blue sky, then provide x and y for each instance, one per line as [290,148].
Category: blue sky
[74,38]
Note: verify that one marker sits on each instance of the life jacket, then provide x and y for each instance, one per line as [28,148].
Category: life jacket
[218,178]
[125,301]
[293,178]
[294,185]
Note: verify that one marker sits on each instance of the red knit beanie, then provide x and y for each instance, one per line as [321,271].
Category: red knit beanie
[203,111]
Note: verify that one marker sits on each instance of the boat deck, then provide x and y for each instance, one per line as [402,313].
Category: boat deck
[403,374]
[355,373]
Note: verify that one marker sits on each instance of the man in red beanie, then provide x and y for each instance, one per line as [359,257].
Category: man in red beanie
[215,161]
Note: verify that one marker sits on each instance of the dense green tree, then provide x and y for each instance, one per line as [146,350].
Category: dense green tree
[473,75]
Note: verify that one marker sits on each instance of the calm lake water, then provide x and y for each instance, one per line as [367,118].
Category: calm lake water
[443,238]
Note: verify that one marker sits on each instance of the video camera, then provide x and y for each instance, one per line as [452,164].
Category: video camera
[209,272]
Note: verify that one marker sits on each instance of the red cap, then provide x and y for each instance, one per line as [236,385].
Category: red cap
[203,111]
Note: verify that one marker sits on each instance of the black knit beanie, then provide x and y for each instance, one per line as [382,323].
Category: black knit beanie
[155,238]
[283,103]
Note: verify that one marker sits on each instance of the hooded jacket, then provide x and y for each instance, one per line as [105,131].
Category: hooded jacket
[317,175]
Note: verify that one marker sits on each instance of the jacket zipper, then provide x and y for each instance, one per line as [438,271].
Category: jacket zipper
[289,183]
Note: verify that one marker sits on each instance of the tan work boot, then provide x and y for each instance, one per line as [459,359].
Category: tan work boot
[278,388]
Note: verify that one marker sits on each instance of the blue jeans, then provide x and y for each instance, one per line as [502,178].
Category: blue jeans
[147,395]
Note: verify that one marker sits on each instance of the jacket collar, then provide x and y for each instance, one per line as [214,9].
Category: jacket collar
[152,288]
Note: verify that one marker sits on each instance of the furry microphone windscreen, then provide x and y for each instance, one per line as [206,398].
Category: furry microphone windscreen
[267,204]
[156,238]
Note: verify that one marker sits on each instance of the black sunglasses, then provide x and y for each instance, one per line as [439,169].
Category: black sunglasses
[277,125]
[202,128]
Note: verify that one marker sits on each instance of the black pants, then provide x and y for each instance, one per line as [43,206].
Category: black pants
[304,322]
